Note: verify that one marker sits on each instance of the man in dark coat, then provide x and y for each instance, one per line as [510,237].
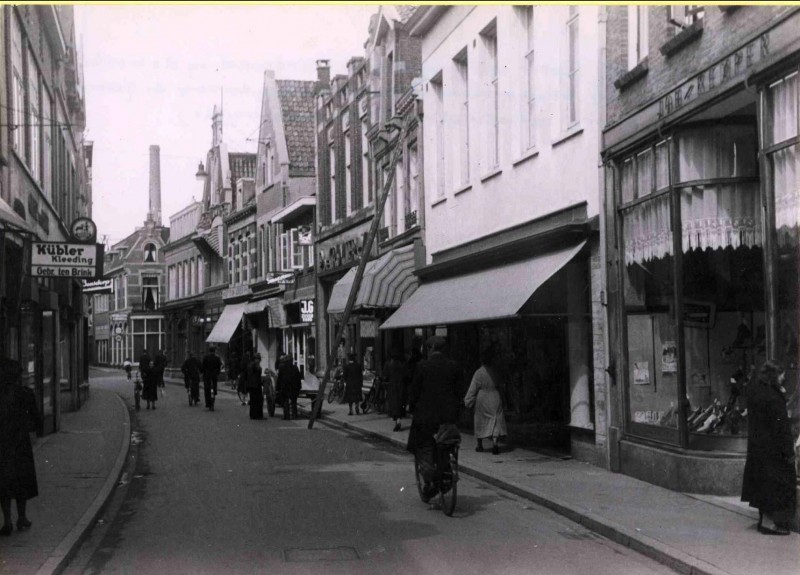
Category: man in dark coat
[159,365]
[353,374]
[770,482]
[252,381]
[19,415]
[191,377]
[212,365]
[149,381]
[434,399]
[288,385]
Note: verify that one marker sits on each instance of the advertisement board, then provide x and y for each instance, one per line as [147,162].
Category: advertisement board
[55,259]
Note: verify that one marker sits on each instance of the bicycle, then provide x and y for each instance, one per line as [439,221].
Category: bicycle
[336,392]
[376,397]
[269,390]
[448,441]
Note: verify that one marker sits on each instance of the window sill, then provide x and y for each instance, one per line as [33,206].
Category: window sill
[491,174]
[462,189]
[530,153]
[438,201]
[682,39]
[634,74]
[568,134]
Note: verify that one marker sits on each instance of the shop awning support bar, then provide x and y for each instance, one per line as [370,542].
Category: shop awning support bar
[362,264]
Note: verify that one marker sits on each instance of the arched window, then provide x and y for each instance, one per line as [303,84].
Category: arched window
[150,253]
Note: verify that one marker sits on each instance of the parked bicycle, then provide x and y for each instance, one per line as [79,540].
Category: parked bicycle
[376,397]
[448,441]
[336,392]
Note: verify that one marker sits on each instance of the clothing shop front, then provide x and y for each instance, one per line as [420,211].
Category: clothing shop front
[530,297]
[299,333]
[702,221]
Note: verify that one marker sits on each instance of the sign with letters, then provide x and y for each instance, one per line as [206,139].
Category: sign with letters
[98,286]
[63,260]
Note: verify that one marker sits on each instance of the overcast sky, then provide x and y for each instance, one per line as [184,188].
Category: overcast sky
[153,74]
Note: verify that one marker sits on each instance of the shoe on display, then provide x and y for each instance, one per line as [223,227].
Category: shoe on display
[708,425]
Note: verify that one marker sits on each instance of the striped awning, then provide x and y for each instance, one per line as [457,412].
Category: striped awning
[388,281]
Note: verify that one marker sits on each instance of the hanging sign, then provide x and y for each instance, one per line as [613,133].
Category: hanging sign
[307,310]
[54,259]
[98,286]
[83,230]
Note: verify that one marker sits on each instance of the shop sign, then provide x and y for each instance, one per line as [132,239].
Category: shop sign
[340,253]
[98,286]
[83,230]
[119,317]
[101,331]
[282,279]
[710,79]
[307,310]
[55,259]
[304,236]
[651,417]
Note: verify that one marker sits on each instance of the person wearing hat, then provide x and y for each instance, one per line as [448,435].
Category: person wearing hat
[211,366]
[353,374]
[434,399]
[19,415]
[287,386]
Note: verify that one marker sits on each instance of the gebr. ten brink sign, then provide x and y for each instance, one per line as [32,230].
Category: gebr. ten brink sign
[53,260]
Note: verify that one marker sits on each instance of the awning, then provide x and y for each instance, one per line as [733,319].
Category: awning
[490,294]
[277,314]
[227,323]
[388,281]
[259,306]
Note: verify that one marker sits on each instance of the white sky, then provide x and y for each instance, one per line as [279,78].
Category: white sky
[153,73]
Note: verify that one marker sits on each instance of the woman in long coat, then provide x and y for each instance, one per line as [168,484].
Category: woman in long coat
[353,375]
[769,482]
[483,394]
[149,380]
[252,378]
[394,373]
[19,415]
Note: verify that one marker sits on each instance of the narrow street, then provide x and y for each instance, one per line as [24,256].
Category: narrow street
[219,493]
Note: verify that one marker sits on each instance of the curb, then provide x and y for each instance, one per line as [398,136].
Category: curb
[638,542]
[63,553]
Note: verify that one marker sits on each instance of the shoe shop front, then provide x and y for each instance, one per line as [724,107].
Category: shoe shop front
[702,222]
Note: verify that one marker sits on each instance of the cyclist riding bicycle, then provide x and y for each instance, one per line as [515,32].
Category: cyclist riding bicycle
[435,400]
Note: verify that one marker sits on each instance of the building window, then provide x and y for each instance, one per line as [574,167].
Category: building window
[389,81]
[18,91]
[573,65]
[348,175]
[366,190]
[150,292]
[461,66]
[34,119]
[686,15]
[492,119]
[527,126]
[332,167]
[269,168]
[439,142]
[49,112]
[395,219]
[297,249]
[286,251]
[150,253]
[412,188]
[638,35]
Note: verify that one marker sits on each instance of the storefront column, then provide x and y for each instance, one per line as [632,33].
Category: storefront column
[579,336]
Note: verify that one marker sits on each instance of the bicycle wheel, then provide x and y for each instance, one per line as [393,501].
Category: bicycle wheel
[332,392]
[448,484]
[418,477]
[367,404]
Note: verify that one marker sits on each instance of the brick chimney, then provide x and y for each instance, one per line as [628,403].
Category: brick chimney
[323,73]
[154,213]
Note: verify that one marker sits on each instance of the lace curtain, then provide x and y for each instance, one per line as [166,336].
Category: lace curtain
[646,229]
[784,105]
[717,217]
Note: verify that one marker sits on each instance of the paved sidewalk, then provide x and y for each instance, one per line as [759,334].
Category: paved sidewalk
[77,469]
[691,534]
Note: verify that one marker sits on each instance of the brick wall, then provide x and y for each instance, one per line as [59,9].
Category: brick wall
[722,33]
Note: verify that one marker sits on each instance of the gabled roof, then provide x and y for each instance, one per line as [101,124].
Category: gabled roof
[297,112]
[405,11]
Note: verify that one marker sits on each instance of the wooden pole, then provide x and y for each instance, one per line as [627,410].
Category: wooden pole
[362,264]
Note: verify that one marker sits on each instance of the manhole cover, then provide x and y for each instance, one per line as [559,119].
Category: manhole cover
[299,555]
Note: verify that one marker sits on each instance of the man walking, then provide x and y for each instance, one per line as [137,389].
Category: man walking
[288,386]
[212,365]
[435,399]
[191,378]
[159,365]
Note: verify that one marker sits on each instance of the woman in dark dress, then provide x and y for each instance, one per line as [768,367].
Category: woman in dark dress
[353,375]
[252,377]
[394,373]
[149,381]
[19,415]
[769,482]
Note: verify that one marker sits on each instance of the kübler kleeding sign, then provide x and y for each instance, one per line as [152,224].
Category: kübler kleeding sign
[49,259]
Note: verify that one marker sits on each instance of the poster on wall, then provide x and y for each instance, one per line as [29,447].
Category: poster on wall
[641,373]
[669,357]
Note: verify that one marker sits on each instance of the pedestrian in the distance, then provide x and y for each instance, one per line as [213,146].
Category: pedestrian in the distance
[484,395]
[211,367]
[159,365]
[128,367]
[149,381]
[394,372]
[19,415]
[191,377]
[411,368]
[287,386]
[252,377]
[353,375]
[242,371]
[770,483]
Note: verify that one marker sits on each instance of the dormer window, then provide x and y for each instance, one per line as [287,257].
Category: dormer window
[150,253]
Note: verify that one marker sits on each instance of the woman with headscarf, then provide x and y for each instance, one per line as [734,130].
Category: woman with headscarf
[149,380]
[769,482]
[19,415]
[483,394]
